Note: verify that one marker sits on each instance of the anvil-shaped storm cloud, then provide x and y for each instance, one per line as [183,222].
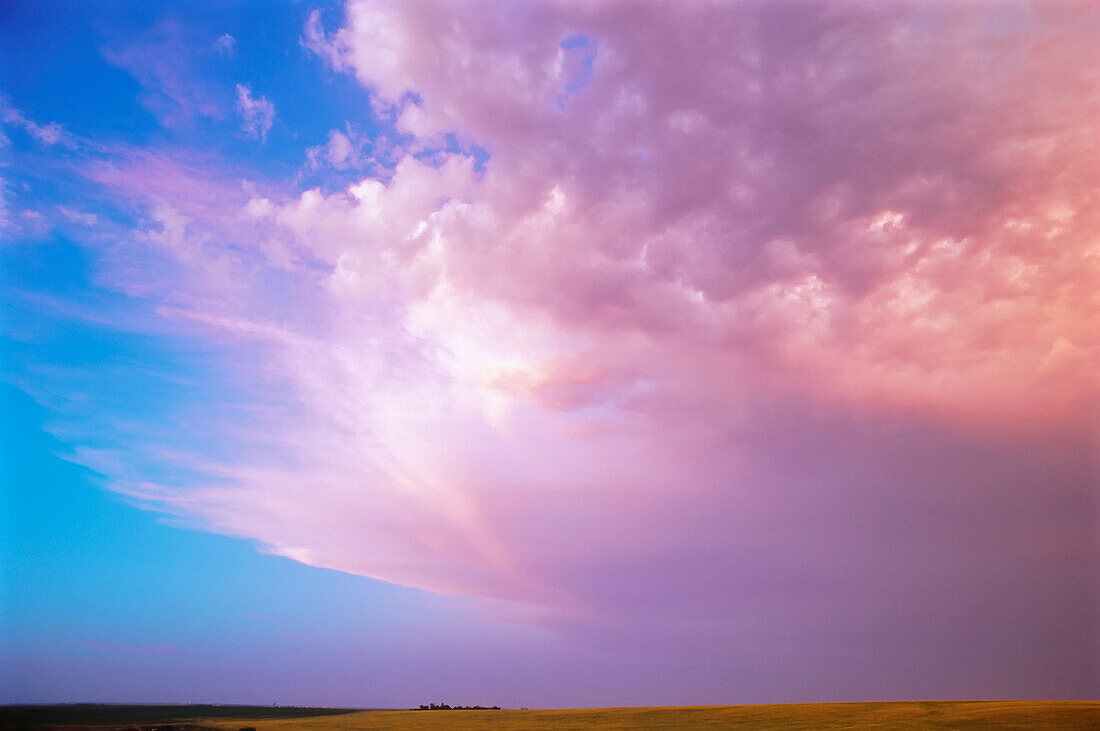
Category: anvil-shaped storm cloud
[760,335]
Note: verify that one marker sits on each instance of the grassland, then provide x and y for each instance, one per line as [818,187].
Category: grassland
[901,715]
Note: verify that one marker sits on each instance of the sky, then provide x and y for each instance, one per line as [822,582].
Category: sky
[549,354]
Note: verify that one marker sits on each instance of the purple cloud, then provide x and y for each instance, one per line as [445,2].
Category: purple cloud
[780,333]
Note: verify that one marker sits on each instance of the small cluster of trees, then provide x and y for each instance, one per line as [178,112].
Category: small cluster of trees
[445,707]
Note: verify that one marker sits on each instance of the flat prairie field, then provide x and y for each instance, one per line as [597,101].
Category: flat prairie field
[888,715]
[919,715]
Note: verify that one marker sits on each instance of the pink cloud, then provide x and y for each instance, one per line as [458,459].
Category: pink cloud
[350,149]
[681,339]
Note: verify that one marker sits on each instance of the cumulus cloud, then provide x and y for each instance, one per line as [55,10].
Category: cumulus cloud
[340,152]
[745,293]
[350,149]
[257,114]
[767,217]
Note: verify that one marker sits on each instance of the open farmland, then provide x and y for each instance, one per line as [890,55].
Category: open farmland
[894,715]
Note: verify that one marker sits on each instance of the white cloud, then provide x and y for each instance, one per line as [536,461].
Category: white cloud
[48,134]
[226,44]
[80,217]
[257,113]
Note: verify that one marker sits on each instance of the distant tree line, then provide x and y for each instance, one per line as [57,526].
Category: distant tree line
[445,707]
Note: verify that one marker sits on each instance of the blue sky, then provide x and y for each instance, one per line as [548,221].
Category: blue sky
[378,354]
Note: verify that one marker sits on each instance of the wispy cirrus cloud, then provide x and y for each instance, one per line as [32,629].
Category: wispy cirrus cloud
[165,62]
[47,134]
[257,113]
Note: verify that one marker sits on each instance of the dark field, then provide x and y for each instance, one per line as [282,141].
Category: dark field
[94,714]
[895,715]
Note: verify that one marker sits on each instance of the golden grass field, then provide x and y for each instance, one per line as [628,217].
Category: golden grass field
[905,715]
[895,715]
